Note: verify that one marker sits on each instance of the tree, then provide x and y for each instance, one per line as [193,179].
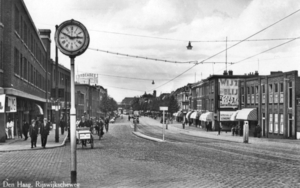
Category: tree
[173,105]
[108,104]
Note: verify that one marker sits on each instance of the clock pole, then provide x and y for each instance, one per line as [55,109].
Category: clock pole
[73,125]
[65,42]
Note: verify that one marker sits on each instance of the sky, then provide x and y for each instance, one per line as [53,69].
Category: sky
[161,29]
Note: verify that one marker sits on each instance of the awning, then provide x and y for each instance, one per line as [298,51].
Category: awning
[193,115]
[247,114]
[188,114]
[226,115]
[233,116]
[39,109]
[208,116]
[179,114]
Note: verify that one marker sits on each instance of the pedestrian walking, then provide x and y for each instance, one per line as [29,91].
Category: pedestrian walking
[62,126]
[44,130]
[220,128]
[33,132]
[25,129]
[106,123]
[10,128]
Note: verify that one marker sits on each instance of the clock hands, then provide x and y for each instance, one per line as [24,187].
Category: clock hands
[70,37]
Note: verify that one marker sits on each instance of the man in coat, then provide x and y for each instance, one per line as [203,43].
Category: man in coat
[33,132]
[44,130]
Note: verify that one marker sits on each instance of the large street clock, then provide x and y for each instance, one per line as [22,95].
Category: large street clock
[72,38]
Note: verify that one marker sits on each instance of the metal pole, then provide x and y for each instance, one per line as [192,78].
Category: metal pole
[246,131]
[56,94]
[163,125]
[73,127]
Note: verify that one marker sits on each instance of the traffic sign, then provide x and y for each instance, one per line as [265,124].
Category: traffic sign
[163,108]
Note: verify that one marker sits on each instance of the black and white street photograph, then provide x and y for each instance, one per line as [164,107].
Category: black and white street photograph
[149,93]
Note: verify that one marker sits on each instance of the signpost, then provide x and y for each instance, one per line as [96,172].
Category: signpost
[163,108]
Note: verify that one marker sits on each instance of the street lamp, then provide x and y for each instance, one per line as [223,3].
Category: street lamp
[189,47]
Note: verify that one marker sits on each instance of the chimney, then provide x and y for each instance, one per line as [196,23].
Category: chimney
[256,73]
[230,72]
[154,93]
[225,73]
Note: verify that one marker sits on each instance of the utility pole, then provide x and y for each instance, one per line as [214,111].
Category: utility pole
[56,94]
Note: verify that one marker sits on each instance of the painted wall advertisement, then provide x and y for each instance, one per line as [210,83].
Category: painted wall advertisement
[11,104]
[229,93]
[87,78]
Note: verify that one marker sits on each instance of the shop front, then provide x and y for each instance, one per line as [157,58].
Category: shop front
[207,120]
[226,120]
[250,115]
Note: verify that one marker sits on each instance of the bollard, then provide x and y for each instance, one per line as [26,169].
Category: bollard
[246,131]
[134,123]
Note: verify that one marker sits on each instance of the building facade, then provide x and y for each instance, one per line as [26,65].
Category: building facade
[275,99]
[24,66]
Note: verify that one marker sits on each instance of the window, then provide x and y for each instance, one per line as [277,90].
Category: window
[17,59]
[248,90]
[252,90]
[276,123]
[242,90]
[25,34]
[1,55]
[270,93]
[271,123]
[17,20]
[281,93]
[25,69]
[290,95]
[21,65]
[256,92]
[281,123]
[263,89]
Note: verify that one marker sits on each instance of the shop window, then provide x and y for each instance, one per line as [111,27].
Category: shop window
[271,123]
[281,123]
[275,123]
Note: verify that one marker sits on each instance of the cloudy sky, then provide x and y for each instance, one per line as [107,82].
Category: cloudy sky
[161,29]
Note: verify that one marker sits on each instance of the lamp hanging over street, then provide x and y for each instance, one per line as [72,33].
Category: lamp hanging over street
[153,82]
[189,47]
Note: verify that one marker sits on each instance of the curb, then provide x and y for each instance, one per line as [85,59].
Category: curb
[40,148]
[147,137]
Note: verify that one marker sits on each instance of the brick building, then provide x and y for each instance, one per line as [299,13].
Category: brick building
[24,63]
[93,94]
[273,99]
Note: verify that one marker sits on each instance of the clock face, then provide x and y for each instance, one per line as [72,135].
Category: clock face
[71,37]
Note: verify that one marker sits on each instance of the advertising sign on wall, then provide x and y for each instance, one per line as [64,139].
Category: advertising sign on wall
[228,93]
[2,103]
[11,104]
[87,78]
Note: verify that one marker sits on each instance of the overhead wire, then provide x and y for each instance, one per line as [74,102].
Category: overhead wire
[232,46]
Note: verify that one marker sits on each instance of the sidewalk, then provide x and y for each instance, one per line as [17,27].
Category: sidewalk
[19,144]
[200,132]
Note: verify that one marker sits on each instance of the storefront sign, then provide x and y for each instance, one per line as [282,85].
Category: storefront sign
[225,115]
[2,103]
[11,104]
[87,78]
[229,93]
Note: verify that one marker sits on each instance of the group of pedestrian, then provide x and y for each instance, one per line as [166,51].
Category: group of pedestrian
[34,129]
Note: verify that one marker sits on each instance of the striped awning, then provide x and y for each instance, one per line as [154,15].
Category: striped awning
[247,114]
[233,116]
[188,114]
[208,116]
[193,115]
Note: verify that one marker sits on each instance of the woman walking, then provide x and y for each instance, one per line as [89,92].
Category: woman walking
[33,131]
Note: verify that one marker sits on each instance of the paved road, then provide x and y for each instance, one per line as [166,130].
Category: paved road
[124,160]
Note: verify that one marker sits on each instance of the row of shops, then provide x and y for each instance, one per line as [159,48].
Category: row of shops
[224,119]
